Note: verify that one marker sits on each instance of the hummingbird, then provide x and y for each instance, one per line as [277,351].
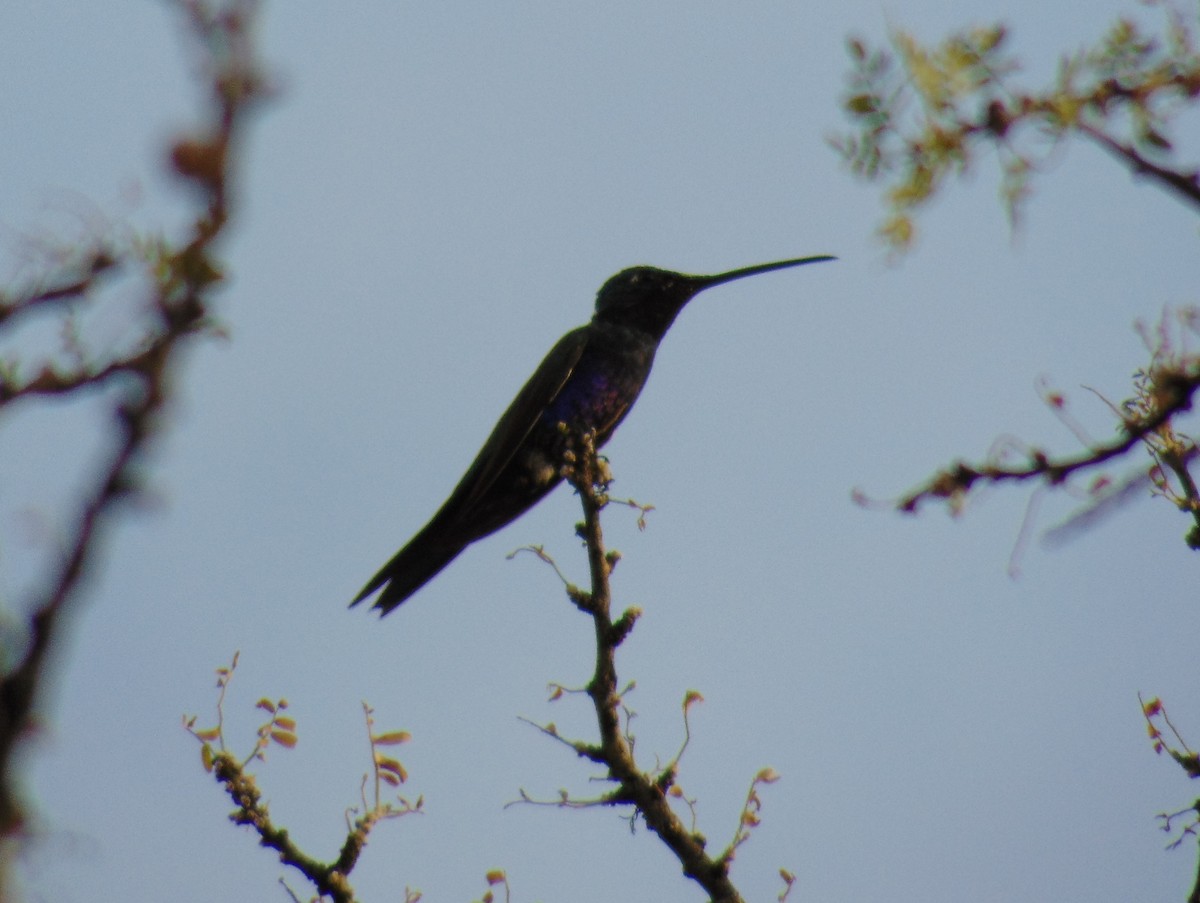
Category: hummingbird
[587,383]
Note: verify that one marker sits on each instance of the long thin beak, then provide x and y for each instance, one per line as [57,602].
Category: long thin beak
[703,282]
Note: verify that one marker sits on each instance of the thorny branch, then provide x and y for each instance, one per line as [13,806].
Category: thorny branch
[648,793]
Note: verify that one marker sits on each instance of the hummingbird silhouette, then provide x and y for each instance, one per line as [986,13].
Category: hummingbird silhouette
[588,382]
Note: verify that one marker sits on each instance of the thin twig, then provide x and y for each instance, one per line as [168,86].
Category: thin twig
[1176,391]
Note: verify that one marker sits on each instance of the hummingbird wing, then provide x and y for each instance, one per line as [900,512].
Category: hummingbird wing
[455,525]
[517,422]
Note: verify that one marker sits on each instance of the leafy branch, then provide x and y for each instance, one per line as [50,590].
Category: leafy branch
[331,879]
[921,114]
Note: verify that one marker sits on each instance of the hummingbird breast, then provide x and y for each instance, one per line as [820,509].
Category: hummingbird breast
[604,384]
[595,397]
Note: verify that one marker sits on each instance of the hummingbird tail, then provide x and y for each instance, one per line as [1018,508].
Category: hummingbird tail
[410,569]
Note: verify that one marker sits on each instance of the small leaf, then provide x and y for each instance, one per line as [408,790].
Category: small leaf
[988,39]
[391,767]
[266,705]
[206,757]
[1155,139]
[496,876]
[287,724]
[213,733]
[897,231]
[284,738]
[862,104]
[393,738]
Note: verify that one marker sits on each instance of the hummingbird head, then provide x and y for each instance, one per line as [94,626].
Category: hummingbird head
[645,298]
[649,299]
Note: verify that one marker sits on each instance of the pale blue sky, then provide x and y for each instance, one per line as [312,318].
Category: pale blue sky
[433,199]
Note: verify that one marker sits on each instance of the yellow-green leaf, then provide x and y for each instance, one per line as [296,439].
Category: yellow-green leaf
[394,738]
[284,738]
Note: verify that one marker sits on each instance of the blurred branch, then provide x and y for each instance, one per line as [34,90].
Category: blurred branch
[920,114]
[1163,389]
[184,275]
[71,283]
[1175,392]
[1186,185]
